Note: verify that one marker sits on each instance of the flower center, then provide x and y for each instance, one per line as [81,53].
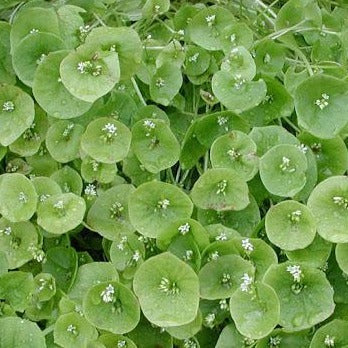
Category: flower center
[322,102]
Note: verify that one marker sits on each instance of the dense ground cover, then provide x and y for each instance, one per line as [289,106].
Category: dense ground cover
[173,173]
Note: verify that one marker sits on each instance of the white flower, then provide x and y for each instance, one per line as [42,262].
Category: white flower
[41,58]
[122,242]
[247,245]
[234,53]
[107,295]
[90,190]
[223,304]
[159,82]
[247,281]
[275,341]
[226,279]
[239,81]
[59,204]
[116,210]
[11,168]
[68,129]
[83,31]
[168,287]
[7,231]
[222,236]
[39,256]
[221,187]
[295,216]
[22,197]
[323,102]
[296,272]
[72,329]
[185,228]
[189,343]
[42,282]
[45,283]
[164,284]
[316,147]
[285,165]
[193,58]
[233,38]
[214,256]
[340,201]
[303,148]
[188,255]
[267,58]
[110,129]
[121,344]
[95,165]
[33,31]
[233,153]
[81,66]
[8,106]
[329,341]
[88,67]
[210,20]
[163,204]
[209,319]
[222,120]
[149,125]
[248,341]
[136,256]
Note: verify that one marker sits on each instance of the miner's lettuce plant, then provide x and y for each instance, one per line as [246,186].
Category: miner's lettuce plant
[173,173]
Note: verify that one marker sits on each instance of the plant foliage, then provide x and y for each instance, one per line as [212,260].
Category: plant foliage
[173,173]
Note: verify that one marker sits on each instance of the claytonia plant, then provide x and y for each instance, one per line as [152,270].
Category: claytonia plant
[173,173]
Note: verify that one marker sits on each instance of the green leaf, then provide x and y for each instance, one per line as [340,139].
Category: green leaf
[318,99]
[310,289]
[111,306]
[165,83]
[237,94]
[50,92]
[163,285]
[17,332]
[220,189]
[106,140]
[89,73]
[154,205]
[16,114]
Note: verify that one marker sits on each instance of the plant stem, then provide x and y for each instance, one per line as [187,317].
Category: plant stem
[206,161]
[137,91]
[292,125]
[48,330]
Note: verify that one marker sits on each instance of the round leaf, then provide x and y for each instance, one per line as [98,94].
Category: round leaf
[165,285]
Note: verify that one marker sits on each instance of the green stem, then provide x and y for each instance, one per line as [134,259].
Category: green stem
[266,8]
[48,330]
[137,91]
[177,176]
[15,11]
[292,125]
[183,178]
[100,21]
[206,161]
[199,169]
[170,175]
